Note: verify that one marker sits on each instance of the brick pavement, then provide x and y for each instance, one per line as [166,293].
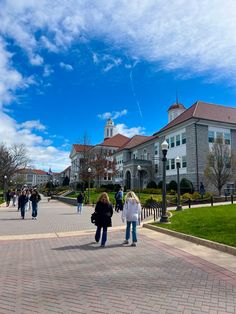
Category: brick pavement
[73,275]
[52,217]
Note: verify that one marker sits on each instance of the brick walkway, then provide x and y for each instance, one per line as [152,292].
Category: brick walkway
[74,275]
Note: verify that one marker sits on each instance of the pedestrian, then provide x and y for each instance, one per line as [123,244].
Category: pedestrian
[80,200]
[14,196]
[22,200]
[8,197]
[35,198]
[104,212]
[49,196]
[119,200]
[132,214]
[28,204]
[202,189]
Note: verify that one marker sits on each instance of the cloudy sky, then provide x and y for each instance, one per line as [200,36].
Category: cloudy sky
[66,66]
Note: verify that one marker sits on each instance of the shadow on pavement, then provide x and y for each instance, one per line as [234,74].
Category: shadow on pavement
[87,247]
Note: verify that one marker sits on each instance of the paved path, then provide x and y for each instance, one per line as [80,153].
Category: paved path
[74,275]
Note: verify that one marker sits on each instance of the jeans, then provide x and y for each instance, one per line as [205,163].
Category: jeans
[22,211]
[104,234]
[79,208]
[34,209]
[134,234]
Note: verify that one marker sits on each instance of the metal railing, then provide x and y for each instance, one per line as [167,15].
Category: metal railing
[152,210]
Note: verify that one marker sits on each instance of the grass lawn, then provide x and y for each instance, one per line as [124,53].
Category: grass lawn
[216,223]
[94,196]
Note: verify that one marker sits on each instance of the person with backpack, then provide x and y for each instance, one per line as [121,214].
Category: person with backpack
[35,198]
[80,200]
[119,200]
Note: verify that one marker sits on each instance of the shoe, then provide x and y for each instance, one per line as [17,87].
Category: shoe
[133,244]
[102,245]
[126,242]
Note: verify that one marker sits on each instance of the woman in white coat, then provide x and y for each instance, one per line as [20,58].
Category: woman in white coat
[131,213]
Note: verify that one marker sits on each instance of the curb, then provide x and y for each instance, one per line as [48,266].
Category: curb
[211,244]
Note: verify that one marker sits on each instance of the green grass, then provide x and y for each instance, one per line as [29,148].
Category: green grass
[95,195]
[216,223]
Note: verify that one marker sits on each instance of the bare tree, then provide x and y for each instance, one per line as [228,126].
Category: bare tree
[12,159]
[221,165]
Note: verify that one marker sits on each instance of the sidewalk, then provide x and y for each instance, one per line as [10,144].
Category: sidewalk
[68,273]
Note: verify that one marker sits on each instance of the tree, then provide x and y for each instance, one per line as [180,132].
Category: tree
[186,186]
[172,186]
[221,165]
[66,181]
[12,159]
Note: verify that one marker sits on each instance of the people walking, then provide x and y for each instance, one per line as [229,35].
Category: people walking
[8,198]
[80,200]
[119,200]
[22,200]
[28,204]
[104,212]
[35,198]
[132,214]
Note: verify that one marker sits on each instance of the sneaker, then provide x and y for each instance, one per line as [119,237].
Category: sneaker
[126,242]
[102,245]
[133,244]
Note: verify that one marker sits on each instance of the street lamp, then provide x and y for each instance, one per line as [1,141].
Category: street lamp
[89,171]
[139,180]
[177,161]
[164,216]
[5,188]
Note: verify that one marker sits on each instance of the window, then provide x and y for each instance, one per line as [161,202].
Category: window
[168,164]
[227,138]
[219,136]
[156,168]
[172,163]
[177,140]
[172,141]
[184,138]
[168,141]
[184,162]
[156,148]
[210,136]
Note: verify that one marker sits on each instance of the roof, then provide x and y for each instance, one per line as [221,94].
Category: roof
[115,141]
[81,148]
[176,106]
[206,111]
[135,141]
[38,171]
[28,170]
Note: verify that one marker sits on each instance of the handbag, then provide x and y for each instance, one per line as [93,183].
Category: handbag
[93,218]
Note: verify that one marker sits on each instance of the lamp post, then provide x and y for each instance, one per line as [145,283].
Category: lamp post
[139,180]
[75,177]
[89,171]
[5,188]
[164,216]
[177,161]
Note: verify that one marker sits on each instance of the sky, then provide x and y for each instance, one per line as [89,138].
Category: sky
[67,66]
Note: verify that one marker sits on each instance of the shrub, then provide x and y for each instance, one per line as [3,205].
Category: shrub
[207,195]
[186,196]
[172,192]
[151,185]
[149,202]
[111,187]
[151,191]
[196,196]
[186,186]
[159,185]
[172,185]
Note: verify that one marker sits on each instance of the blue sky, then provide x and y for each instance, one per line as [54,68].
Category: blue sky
[66,65]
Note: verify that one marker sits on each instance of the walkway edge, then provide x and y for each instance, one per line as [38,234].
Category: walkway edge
[213,245]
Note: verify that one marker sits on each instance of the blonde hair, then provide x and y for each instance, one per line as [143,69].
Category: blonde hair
[131,195]
[103,196]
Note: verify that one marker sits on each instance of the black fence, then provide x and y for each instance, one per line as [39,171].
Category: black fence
[152,210]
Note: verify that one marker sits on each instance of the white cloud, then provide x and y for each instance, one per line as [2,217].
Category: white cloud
[65,66]
[40,150]
[129,132]
[196,36]
[33,124]
[47,70]
[113,115]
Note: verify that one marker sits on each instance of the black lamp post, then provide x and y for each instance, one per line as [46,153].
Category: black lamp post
[89,172]
[164,216]
[139,180]
[177,161]
[5,188]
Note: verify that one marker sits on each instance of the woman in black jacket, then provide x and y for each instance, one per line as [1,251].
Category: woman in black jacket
[22,200]
[104,212]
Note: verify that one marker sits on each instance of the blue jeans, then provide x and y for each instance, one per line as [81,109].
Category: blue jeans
[79,208]
[34,209]
[134,234]
[98,234]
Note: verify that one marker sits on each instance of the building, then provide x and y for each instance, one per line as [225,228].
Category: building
[189,133]
[31,177]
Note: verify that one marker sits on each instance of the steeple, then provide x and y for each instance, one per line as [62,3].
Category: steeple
[110,129]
